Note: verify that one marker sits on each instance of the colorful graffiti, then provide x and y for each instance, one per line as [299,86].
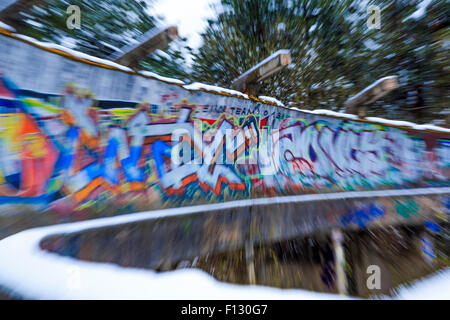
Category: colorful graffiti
[70,151]
[364,215]
[428,251]
[407,209]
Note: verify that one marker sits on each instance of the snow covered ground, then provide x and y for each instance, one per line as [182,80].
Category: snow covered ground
[36,274]
[434,287]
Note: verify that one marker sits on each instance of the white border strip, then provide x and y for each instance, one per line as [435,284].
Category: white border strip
[34,273]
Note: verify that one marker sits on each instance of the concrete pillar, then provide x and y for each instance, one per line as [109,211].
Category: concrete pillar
[341,278]
[249,247]
[250,260]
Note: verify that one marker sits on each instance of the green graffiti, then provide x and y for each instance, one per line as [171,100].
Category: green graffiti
[407,209]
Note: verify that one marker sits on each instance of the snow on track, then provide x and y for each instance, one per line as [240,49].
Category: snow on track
[37,274]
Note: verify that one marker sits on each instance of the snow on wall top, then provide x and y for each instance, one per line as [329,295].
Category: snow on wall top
[7,27]
[207,87]
[157,76]
[273,100]
[85,58]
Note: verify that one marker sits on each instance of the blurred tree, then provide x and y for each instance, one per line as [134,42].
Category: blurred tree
[171,62]
[321,37]
[413,44]
[106,26]
[334,53]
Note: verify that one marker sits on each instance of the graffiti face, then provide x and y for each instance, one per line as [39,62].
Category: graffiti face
[186,153]
[407,209]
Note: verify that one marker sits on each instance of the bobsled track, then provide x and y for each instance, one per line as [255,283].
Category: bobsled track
[108,177]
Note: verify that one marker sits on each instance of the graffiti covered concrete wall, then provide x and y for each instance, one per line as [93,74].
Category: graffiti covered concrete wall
[77,137]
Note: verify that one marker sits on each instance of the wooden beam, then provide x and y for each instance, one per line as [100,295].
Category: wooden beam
[250,260]
[373,92]
[269,66]
[157,38]
[341,278]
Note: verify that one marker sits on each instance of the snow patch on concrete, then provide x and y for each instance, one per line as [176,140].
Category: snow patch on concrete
[157,76]
[207,87]
[7,27]
[272,100]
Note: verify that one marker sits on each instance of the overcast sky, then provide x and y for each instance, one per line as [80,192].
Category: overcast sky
[190,16]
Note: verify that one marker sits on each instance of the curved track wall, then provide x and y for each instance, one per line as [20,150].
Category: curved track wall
[79,135]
